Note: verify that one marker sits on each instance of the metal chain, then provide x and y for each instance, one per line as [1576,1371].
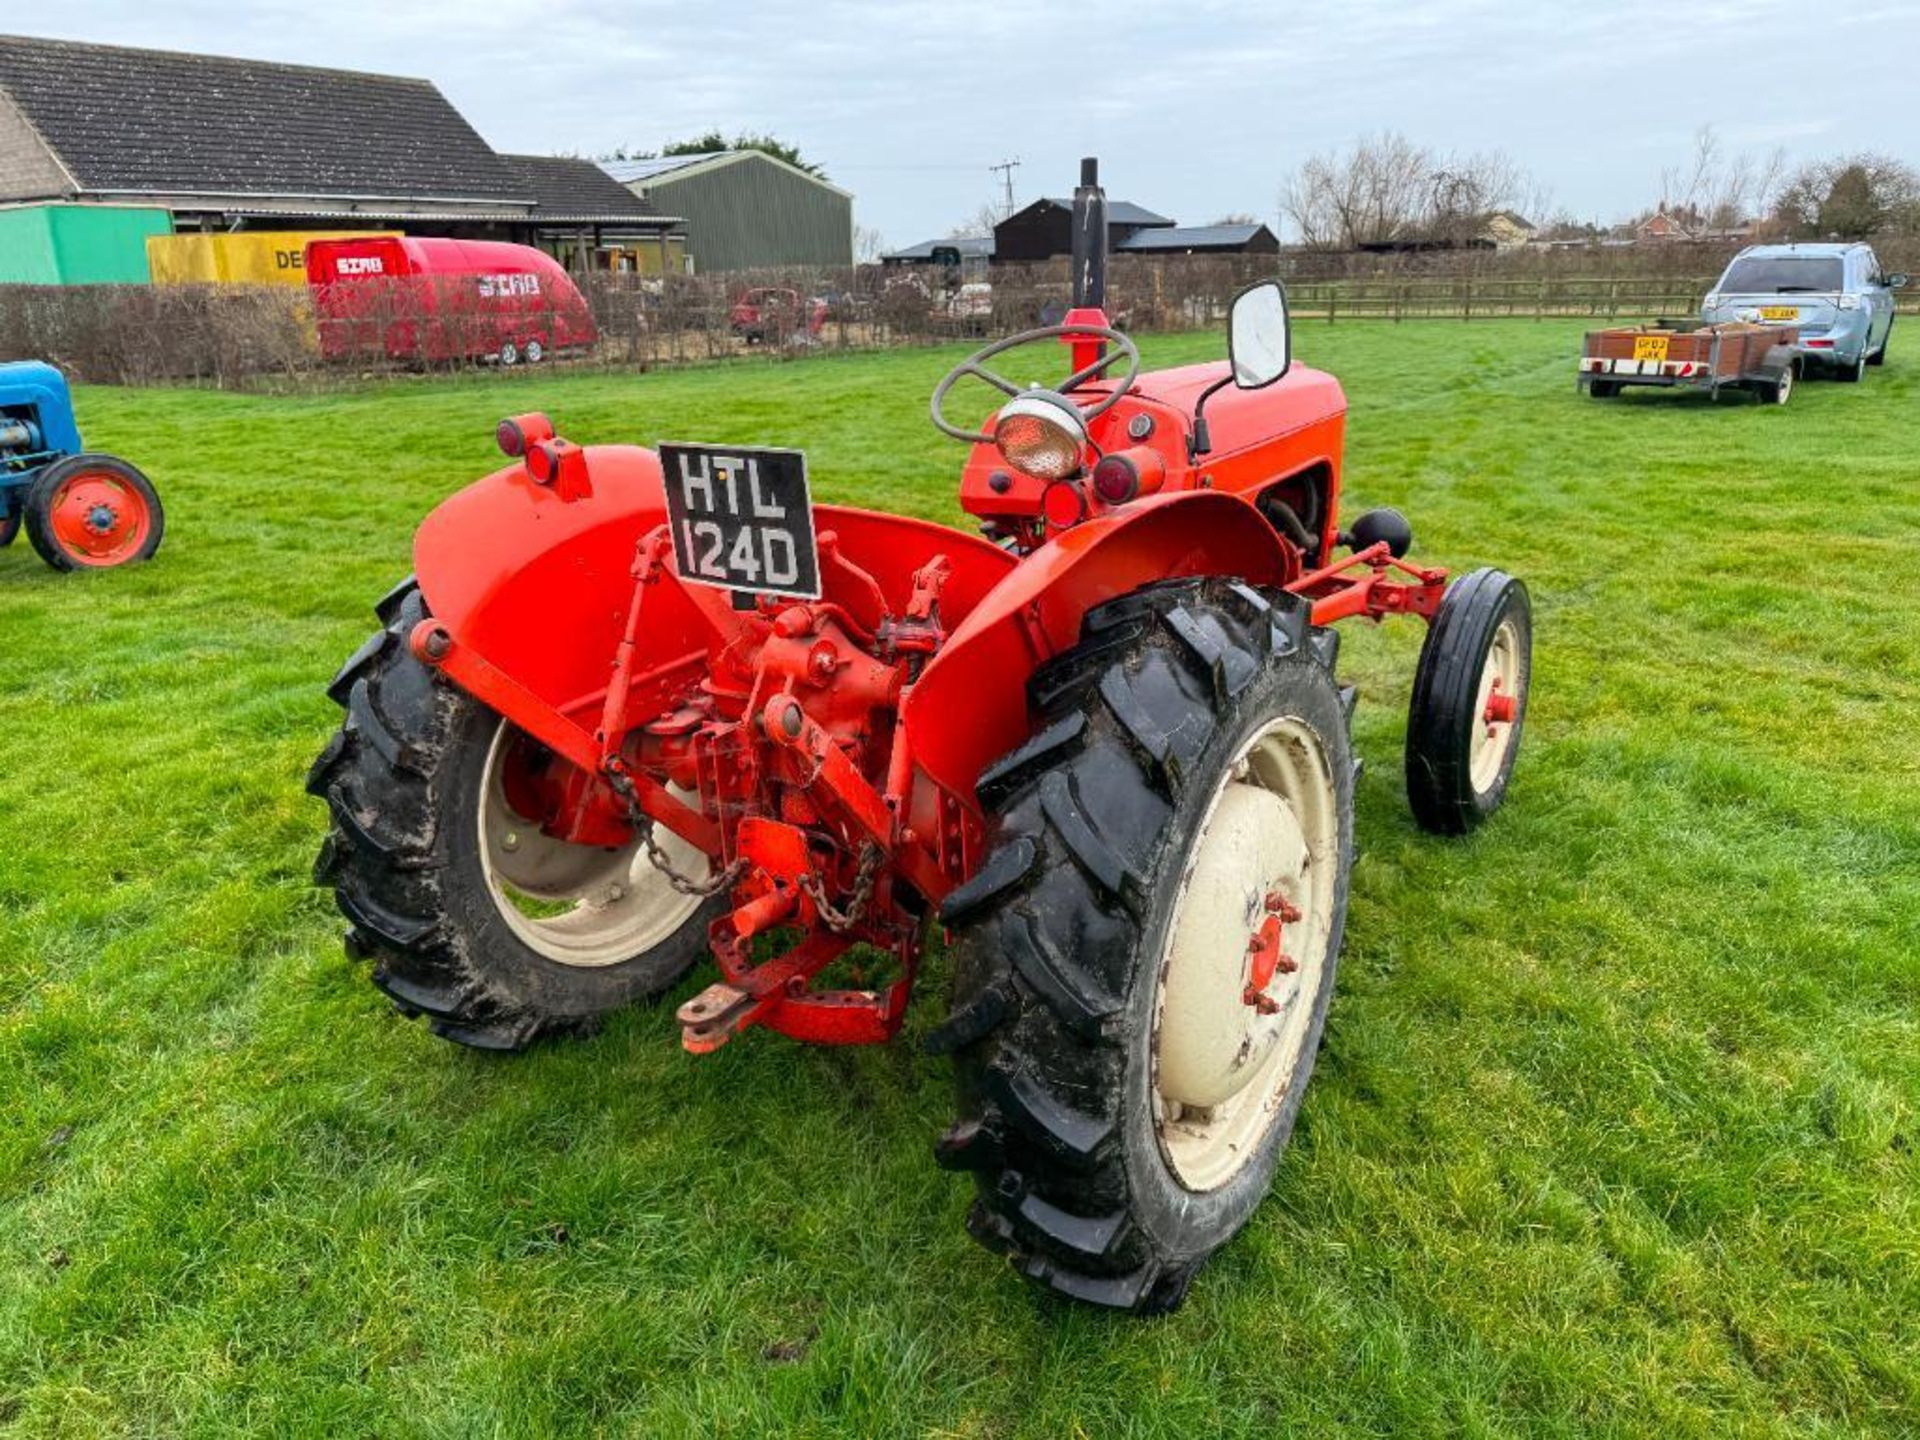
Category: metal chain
[685,884]
[863,879]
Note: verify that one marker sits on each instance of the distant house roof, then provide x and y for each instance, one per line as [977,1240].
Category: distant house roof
[656,169]
[969,246]
[127,122]
[628,171]
[1193,237]
[1119,212]
[579,190]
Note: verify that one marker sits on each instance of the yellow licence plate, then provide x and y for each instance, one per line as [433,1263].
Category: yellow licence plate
[1650,347]
[1779,312]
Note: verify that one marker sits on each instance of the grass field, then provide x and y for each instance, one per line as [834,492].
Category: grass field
[1614,1130]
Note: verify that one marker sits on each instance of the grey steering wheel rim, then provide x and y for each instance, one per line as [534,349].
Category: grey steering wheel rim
[974,365]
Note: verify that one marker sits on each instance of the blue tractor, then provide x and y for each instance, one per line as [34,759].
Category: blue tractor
[81,510]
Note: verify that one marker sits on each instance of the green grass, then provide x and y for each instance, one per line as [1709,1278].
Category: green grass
[1614,1129]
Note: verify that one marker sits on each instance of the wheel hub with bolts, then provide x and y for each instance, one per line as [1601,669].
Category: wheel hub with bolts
[1498,705]
[1230,1027]
[1268,958]
[97,519]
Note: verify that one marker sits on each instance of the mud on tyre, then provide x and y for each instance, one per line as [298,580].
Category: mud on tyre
[496,933]
[1163,743]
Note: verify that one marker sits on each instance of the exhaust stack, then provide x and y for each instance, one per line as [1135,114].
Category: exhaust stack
[1089,239]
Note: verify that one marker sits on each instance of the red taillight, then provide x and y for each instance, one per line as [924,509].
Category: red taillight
[1126,474]
[518,434]
[543,461]
[1064,504]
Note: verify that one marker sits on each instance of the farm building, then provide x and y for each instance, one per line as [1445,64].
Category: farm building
[219,144]
[1135,232]
[969,247]
[746,209]
[1044,229]
[1231,239]
[75,245]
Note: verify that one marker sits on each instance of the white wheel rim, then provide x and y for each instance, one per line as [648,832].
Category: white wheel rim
[1492,739]
[1783,389]
[509,354]
[579,905]
[1222,1069]
[534,352]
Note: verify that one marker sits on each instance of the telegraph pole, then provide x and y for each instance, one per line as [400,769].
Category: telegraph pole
[1005,170]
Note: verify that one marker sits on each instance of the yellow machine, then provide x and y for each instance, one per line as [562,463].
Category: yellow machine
[243,257]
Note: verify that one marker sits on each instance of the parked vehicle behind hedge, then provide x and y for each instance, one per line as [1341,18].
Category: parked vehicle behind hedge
[433,300]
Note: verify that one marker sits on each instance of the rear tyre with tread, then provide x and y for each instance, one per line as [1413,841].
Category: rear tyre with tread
[1879,357]
[408,857]
[1603,389]
[1069,1008]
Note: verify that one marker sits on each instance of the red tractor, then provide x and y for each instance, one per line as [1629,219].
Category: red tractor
[639,705]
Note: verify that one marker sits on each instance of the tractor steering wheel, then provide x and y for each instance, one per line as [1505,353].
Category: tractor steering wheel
[974,365]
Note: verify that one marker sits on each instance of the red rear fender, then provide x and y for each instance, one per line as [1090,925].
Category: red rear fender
[539,585]
[970,705]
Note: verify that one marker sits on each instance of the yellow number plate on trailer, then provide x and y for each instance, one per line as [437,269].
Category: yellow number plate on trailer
[1650,347]
[1779,312]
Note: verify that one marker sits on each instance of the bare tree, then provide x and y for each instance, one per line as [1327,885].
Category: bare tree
[1715,190]
[1465,190]
[1367,195]
[1387,189]
[982,223]
[868,244]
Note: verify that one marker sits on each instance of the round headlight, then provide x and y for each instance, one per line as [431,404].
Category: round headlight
[1041,435]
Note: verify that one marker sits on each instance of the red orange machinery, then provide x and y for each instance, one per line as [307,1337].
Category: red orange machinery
[640,704]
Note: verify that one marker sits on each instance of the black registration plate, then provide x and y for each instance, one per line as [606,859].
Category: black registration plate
[742,519]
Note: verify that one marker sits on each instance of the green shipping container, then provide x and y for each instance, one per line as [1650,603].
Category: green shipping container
[77,244]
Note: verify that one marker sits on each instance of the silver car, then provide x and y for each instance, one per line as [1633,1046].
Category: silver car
[1836,294]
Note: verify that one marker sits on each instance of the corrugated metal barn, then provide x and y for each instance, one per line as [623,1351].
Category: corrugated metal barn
[745,209]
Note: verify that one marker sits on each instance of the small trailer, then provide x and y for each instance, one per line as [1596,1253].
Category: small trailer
[429,300]
[1686,354]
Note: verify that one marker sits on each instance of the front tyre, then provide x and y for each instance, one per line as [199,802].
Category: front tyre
[1469,701]
[474,917]
[92,512]
[1143,963]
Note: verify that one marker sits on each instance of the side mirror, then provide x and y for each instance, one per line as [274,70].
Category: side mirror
[1896,282]
[1259,337]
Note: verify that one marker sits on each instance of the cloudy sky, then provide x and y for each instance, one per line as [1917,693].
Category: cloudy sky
[1197,108]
